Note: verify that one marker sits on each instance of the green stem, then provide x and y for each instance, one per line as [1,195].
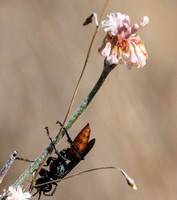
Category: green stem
[106,70]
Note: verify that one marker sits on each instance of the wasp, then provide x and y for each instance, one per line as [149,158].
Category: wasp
[64,162]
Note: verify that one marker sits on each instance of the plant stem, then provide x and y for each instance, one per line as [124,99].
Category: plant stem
[106,70]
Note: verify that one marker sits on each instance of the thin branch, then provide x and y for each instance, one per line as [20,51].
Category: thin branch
[7,166]
[129,180]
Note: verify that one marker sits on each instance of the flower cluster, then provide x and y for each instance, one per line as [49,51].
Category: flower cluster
[122,45]
[16,194]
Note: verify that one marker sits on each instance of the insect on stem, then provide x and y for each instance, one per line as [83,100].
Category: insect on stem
[64,161]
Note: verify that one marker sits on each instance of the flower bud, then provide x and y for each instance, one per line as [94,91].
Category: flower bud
[134,28]
[144,21]
[120,29]
[127,20]
[106,51]
[125,27]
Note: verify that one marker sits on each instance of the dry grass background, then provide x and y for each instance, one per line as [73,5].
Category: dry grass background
[133,117]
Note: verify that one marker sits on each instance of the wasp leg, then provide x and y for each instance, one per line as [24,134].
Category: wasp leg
[54,190]
[47,131]
[71,142]
[36,193]
[49,160]
[44,172]
[39,195]
[69,139]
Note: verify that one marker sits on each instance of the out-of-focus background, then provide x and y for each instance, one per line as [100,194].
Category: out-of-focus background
[133,117]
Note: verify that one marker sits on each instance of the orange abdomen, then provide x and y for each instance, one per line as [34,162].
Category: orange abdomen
[81,140]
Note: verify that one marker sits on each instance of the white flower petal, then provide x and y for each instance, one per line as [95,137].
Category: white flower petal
[26,195]
[12,190]
[141,57]
[133,57]
[114,21]
[18,194]
[19,190]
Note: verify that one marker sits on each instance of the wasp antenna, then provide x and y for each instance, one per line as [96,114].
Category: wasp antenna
[24,159]
[47,131]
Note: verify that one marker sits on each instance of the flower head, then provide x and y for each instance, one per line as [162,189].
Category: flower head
[18,194]
[122,44]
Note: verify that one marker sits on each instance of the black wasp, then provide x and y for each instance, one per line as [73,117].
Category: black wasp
[65,161]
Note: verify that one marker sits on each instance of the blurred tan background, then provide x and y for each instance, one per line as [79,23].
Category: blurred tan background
[133,117]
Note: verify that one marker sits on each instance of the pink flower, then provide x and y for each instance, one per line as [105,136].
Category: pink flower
[18,194]
[121,45]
